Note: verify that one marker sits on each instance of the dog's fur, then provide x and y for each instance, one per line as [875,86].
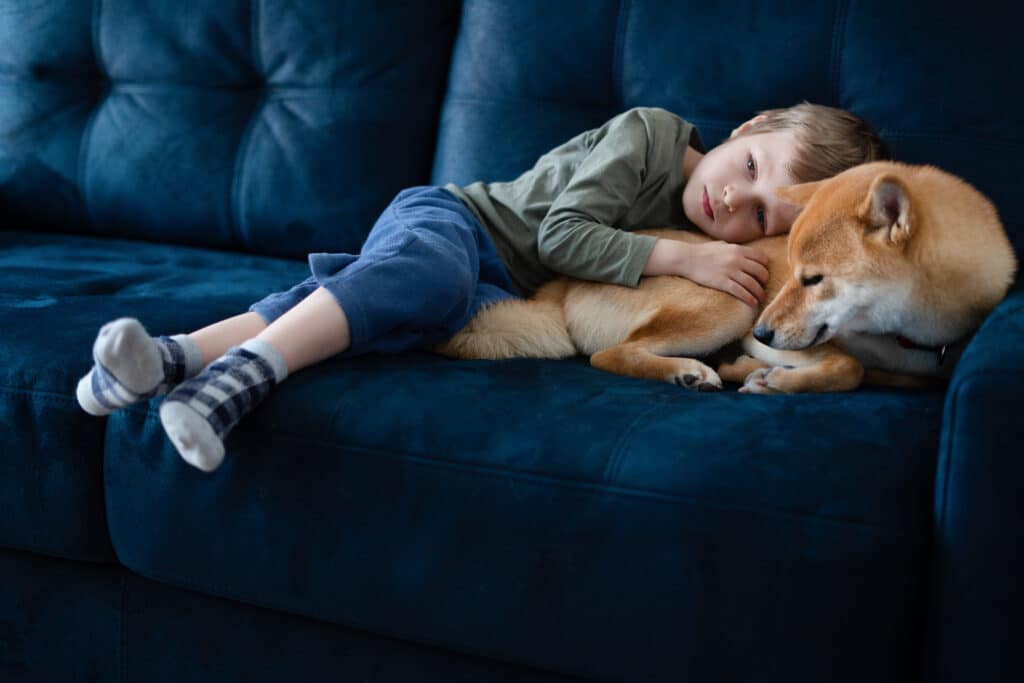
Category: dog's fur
[903,251]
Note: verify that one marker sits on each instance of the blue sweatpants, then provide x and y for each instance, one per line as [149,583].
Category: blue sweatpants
[427,267]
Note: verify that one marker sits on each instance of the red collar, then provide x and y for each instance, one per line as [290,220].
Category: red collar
[909,344]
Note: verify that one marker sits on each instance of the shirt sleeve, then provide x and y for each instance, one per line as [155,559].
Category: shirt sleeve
[577,237]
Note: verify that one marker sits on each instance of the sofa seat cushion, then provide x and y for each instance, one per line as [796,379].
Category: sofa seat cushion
[548,514]
[55,293]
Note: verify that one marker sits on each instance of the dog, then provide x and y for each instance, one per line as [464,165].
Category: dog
[887,271]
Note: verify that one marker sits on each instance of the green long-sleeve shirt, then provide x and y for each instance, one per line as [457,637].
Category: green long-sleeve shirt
[572,212]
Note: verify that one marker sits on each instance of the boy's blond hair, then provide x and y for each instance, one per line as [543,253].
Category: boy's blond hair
[829,140]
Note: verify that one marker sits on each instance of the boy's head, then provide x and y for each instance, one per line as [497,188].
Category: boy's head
[730,191]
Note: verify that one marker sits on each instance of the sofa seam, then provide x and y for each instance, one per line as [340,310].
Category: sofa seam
[946,457]
[111,561]
[219,591]
[552,481]
[519,101]
[255,24]
[235,212]
[44,395]
[836,56]
[618,56]
[611,470]
[123,659]
[236,216]
[84,144]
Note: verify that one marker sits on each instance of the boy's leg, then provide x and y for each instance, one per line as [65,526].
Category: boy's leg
[314,330]
[131,366]
[214,340]
[414,283]
[198,415]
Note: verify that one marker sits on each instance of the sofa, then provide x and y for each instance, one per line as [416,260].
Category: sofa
[413,518]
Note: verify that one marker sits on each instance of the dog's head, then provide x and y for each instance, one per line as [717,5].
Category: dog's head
[849,269]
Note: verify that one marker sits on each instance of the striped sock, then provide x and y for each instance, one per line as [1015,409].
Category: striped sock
[131,366]
[198,415]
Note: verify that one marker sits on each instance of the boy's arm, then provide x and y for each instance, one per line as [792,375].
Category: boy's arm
[731,268]
[576,237]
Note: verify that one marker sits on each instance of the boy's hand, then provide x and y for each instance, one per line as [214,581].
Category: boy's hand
[732,268]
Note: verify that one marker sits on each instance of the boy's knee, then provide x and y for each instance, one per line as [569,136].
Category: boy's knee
[446,272]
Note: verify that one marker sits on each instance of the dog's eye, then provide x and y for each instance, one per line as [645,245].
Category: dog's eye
[811,281]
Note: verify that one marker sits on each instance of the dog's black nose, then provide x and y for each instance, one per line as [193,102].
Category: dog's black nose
[764,334]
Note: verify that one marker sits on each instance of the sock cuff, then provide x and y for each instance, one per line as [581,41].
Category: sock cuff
[193,356]
[269,353]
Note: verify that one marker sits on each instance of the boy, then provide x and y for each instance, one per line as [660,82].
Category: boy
[437,255]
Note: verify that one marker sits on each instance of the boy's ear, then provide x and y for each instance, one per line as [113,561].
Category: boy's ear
[798,194]
[745,125]
[887,209]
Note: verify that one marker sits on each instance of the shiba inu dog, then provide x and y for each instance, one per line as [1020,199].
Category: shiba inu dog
[886,272]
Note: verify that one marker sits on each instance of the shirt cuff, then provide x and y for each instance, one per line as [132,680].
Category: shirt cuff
[640,251]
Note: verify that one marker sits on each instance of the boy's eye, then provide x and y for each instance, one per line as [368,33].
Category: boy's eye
[751,166]
[760,216]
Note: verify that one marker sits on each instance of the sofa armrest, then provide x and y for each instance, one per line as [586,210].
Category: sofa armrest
[977,598]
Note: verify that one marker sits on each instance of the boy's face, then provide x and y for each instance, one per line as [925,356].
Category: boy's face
[730,193]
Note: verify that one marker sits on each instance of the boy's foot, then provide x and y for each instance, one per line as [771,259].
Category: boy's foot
[198,415]
[131,366]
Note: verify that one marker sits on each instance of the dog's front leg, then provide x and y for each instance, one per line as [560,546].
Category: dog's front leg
[829,370]
[638,359]
[740,369]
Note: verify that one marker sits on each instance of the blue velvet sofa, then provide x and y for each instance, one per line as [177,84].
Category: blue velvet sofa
[413,518]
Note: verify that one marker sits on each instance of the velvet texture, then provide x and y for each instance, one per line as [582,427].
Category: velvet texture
[59,620]
[542,514]
[977,603]
[56,291]
[72,621]
[546,513]
[262,125]
[717,64]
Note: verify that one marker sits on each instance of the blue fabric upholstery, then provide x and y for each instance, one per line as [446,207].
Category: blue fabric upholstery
[73,621]
[268,126]
[424,519]
[55,293]
[977,561]
[59,620]
[716,64]
[564,510]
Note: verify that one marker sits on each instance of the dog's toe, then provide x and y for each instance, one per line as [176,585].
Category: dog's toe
[696,376]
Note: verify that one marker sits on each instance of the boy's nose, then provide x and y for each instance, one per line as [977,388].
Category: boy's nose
[732,197]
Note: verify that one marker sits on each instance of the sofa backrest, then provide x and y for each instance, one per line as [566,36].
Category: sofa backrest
[937,79]
[265,125]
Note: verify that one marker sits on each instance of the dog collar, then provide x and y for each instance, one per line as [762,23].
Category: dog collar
[910,344]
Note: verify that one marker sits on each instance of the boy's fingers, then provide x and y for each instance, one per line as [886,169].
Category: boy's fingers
[756,254]
[740,293]
[751,285]
[758,271]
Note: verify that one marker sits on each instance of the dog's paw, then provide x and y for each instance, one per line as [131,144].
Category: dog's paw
[760,382]
[694,375]
[739,369]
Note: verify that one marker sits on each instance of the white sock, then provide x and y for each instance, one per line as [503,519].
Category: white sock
[132,366]
[200,412]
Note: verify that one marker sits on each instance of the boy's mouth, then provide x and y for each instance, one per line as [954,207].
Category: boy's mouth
[706,203]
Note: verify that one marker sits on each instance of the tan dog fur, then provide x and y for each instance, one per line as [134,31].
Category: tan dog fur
[902,250]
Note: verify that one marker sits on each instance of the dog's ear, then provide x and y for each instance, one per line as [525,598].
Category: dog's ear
[887,209]
[798,194]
